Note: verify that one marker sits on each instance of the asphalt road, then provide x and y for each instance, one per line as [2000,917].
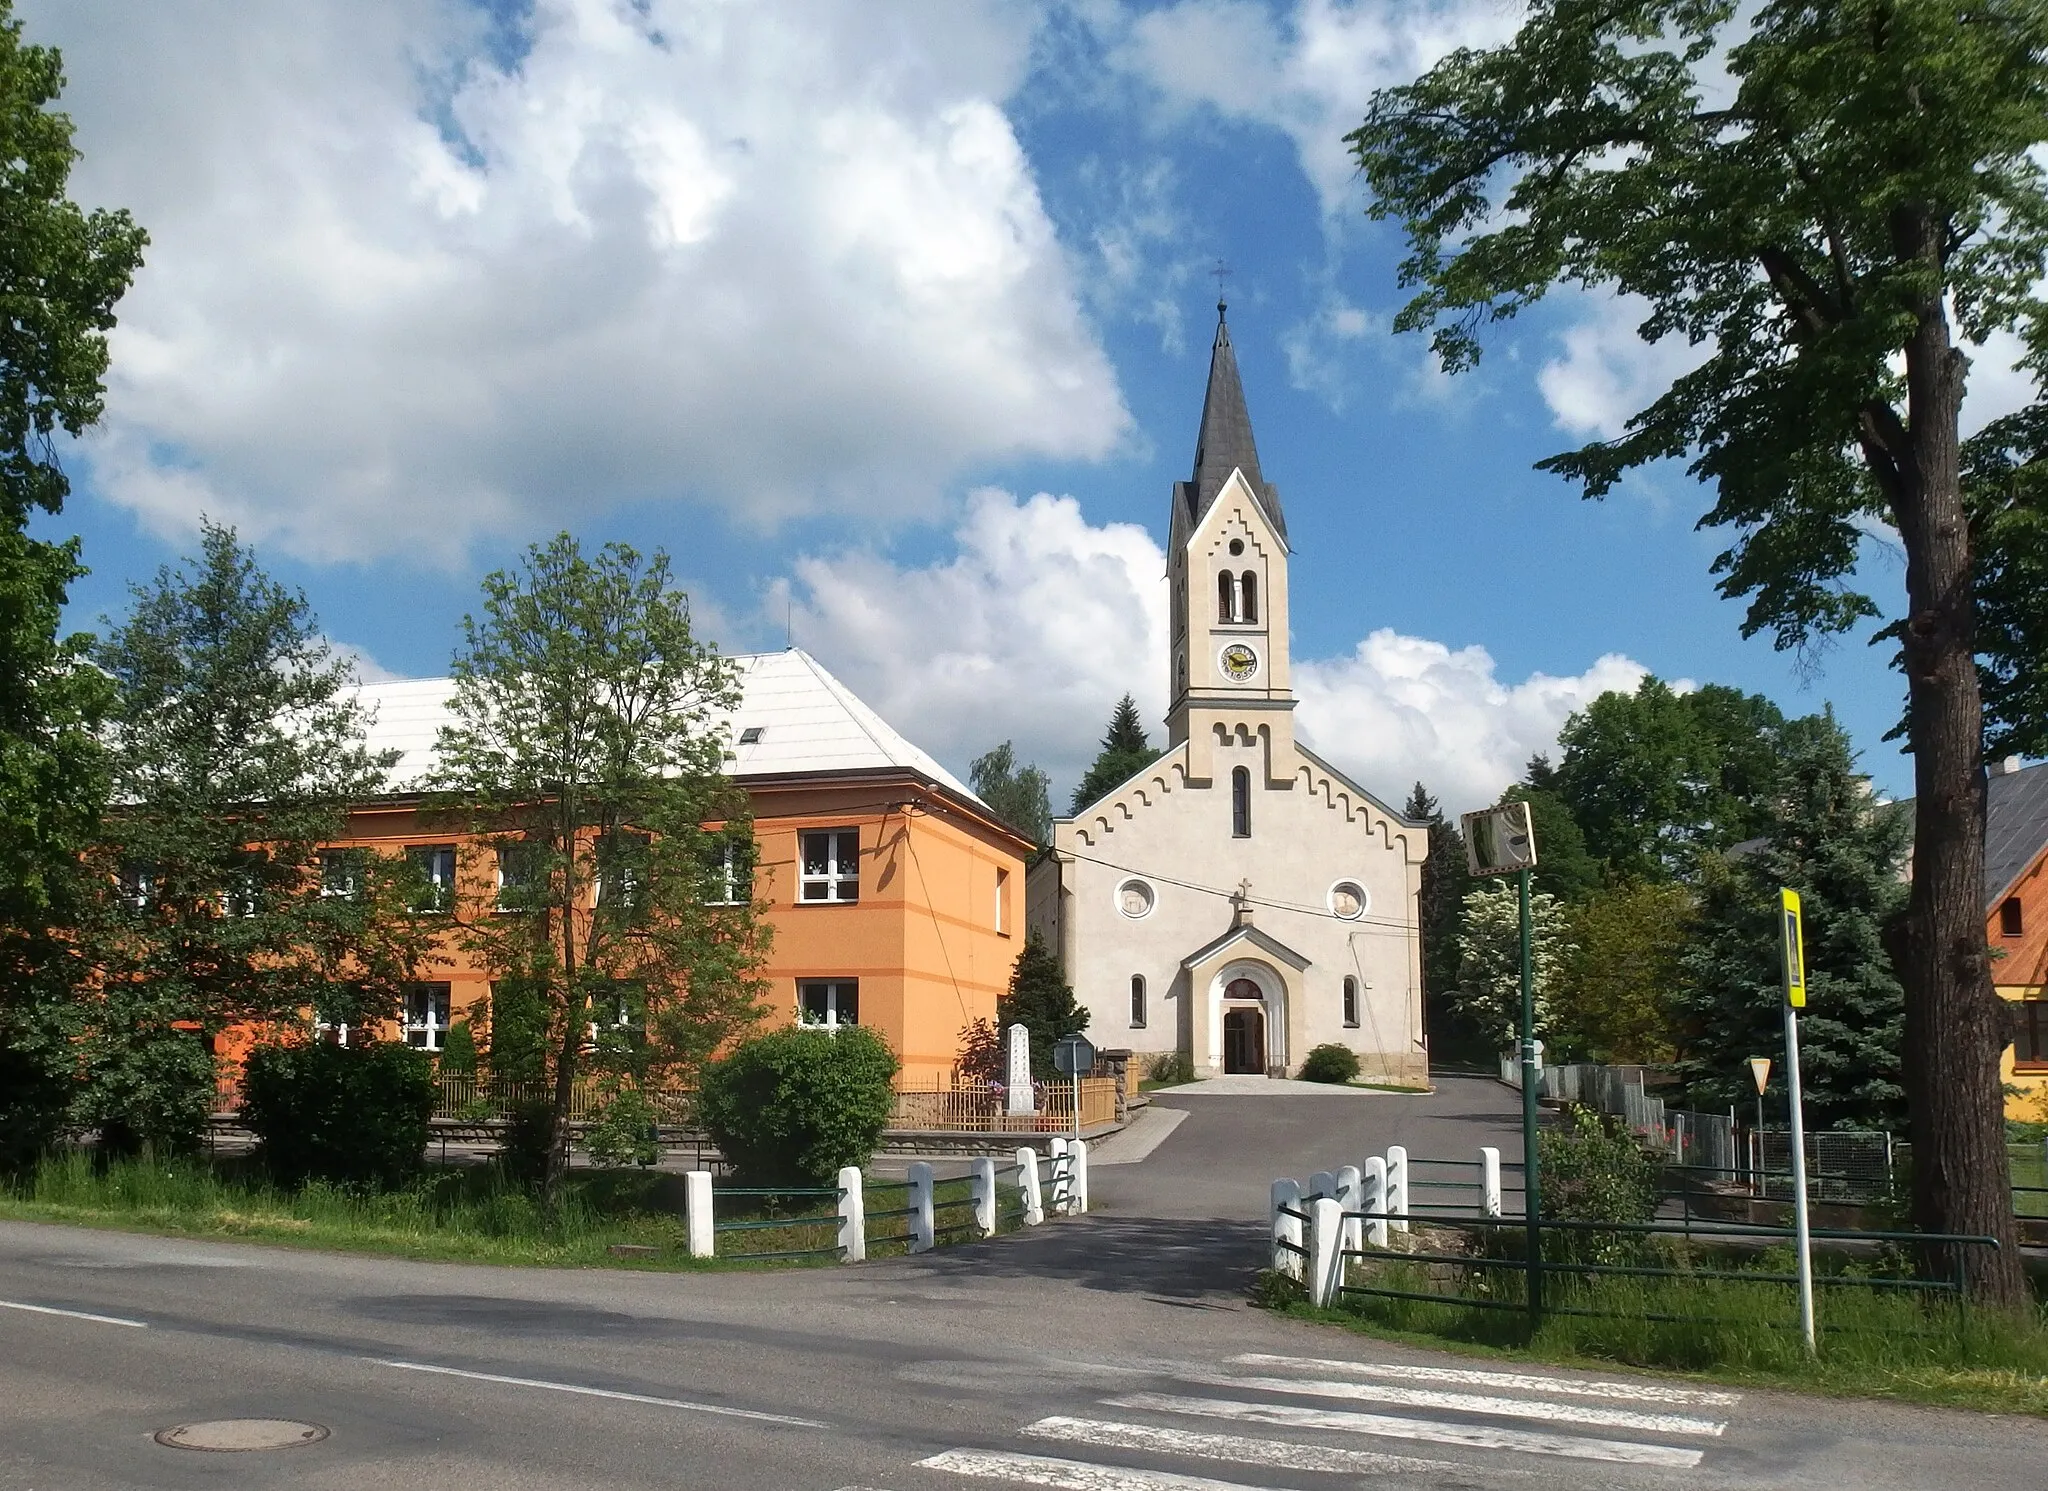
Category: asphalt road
[1096,1354]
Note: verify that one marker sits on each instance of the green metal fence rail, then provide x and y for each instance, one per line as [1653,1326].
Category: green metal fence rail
[779,1224]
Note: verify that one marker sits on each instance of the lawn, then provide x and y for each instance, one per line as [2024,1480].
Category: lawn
[468,1214]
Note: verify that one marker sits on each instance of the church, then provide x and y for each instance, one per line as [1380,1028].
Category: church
[1240,901]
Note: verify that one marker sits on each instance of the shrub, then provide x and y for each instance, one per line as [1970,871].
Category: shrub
[352,1114]
[1171,1070]
[529,1135]
[798,1104]
[458,1050]
[1595,1171]
[1330,1063]
[981,1055]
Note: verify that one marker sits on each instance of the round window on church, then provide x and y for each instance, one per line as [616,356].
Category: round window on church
[1348,900]
[1134,899]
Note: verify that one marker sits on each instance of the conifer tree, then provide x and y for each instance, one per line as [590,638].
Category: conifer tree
[1440,913]
[1041,1001]
[238,747]
[1842,852]
[1125,748]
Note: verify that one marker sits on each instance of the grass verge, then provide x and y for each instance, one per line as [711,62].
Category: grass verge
[470,1215]
[1874,1344]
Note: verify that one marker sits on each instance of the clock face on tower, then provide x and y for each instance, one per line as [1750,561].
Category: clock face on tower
[1239,662]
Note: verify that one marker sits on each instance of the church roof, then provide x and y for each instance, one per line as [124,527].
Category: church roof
[801,720]
[1225,443]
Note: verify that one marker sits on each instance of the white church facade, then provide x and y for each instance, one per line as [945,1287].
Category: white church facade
[1240,900]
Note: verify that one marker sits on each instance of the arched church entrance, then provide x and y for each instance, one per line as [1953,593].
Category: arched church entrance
[1244,1028]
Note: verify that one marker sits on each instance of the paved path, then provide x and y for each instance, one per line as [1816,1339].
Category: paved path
[967,1368]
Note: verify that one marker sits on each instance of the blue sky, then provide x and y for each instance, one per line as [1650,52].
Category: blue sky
[821,304]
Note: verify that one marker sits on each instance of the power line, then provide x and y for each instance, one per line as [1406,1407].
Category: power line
[1391,923]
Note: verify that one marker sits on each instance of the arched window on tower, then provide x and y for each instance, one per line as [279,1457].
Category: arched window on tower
[1240,803]
[1250,594]
[1137,1001]
[1226,596]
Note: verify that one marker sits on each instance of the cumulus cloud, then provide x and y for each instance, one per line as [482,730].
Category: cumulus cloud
[1608,372]
[415,276]
[1308,72]
[1042,620]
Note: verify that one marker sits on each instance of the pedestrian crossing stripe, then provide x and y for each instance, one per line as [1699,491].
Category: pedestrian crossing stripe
[1641,1392]
[1113,1434]
[1497,1407]
[1432,1431]
[1071,1475]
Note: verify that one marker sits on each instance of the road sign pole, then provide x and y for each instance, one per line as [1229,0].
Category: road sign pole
[1532,1204]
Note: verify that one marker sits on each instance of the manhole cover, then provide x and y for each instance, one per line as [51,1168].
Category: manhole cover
[241,1434]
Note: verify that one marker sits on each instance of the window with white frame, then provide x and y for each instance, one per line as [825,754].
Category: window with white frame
[622,872]
[1137,1001]
[243,897]
[831,865]
[829,1003]
[341,873]
[426,1015]
[138,886]
[515,877]
[435,866]
[728,870]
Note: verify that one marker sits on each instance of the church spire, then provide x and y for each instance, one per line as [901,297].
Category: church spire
[1225,442]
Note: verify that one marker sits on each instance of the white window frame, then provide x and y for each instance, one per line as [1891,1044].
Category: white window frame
[349,884]
[507,853]
[428,859]
[839,884]
[431,1030]
[733,859]
[834,989]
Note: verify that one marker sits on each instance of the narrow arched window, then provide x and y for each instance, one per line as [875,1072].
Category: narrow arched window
[1350,1001]
[1251,596]
[1240,803]
[1226,596]
[1137,1001]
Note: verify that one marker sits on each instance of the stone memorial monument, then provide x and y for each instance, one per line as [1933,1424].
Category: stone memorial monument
[1020,1100]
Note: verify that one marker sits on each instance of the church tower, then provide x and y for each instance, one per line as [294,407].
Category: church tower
[1227,576]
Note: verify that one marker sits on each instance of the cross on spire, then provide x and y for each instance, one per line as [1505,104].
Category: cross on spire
[1219,274]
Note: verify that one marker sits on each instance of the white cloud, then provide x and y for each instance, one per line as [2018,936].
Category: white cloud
[1317,348]
[1309,74]
[1997,385]
[1042,620]
[1608,372]
[1404,709]
[402,292]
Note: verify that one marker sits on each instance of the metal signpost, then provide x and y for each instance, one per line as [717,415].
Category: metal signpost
[1760,1069]
[1501,841]
[1792,944]
[1073,1055]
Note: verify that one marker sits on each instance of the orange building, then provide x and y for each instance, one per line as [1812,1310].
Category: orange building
[895,895]
[2016,923]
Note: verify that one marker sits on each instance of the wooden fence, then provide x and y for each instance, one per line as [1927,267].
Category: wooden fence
[979,1109]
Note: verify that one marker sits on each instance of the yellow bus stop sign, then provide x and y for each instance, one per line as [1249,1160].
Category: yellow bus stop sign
[1793,946]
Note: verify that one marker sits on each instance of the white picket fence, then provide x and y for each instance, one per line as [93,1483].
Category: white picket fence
[1354,1206]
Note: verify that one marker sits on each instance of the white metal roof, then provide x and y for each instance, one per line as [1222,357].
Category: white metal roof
[809,722]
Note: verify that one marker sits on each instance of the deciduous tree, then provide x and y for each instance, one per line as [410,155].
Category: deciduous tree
[1490,958]
[61,272]
[1019,795]
[588,754]
[1827,200]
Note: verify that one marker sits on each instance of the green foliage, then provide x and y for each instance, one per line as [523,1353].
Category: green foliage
[1330,1063]
[1611,1003]
[352,1115]
[1594,1170]
[1174,1069]
[1019,795]
[2005,482]
[459,1050]
[1842,852]
[1490,957]
[516,1034]
[1125,748]
[625,1128]
[589,743]
[1040,1000]
[1564,868]
[1655,777]
[241,750]
[528,1141]
[981,1054]
[150,1087]
[61,272]
[799,1104]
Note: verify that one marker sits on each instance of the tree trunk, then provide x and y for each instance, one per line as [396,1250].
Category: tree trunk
[572,1017]
[1954,1029]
